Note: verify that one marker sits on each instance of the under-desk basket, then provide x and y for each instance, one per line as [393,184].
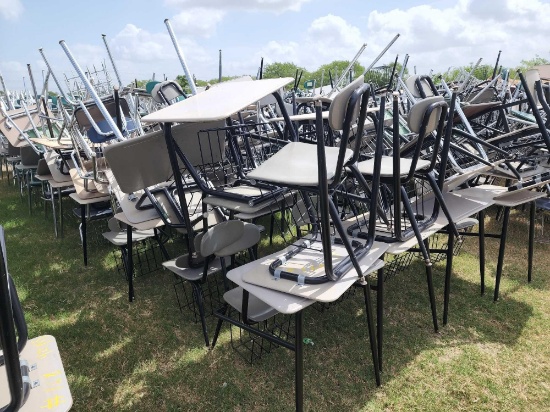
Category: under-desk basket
[146,257]
[251,347]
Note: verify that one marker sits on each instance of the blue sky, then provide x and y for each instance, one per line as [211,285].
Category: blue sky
[436,34]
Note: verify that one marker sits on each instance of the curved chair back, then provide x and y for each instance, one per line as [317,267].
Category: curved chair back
[143,161]
[426,117]
[227,238]
[167,92]
[421,86]
[531,77]
[338,107]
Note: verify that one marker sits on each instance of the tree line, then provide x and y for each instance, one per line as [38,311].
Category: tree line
[379,75]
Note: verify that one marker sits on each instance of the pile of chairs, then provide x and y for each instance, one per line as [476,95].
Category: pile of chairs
[371,174]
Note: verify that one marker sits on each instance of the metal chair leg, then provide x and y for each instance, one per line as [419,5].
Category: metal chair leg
[431,292]
[531,240]
[425,254]
[219,326]
[380,314]
[481,216]
[372,332]
[197,292]
[448,273]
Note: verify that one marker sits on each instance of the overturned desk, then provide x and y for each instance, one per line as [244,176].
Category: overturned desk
[288,297]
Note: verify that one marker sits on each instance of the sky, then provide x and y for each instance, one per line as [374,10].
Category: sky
[435,34]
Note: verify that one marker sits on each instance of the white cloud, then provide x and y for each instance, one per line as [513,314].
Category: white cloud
[326,39]
[278,6]
[437,38]
[11,9]
[140,45]
[198,21]
[13,72]
[139,53]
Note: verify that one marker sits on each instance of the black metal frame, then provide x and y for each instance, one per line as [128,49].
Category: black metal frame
[175,152]
[328,210]
[10,311]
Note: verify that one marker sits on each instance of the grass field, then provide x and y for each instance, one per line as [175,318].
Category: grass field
[148,356]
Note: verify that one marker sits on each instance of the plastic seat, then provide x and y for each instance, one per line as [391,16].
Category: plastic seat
[219,242]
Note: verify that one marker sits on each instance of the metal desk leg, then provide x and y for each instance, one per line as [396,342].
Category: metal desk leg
[130,263]
[448,270]
[380,313]
[83,233]
[299,362]
[161,245]
[60,212]
[28,178]
[481,217]
[531,240]
[501,250]
[54,212]
[373,340]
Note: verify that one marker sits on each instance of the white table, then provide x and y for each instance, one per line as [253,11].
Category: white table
[295,301]
[217,103]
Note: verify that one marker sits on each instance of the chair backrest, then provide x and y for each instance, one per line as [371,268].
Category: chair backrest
[13,150]
[419,111]
[339,105]
[143,161]
[420,86]
[97,116]
[29,157]
[22,122]
[167,92]
[531,77]
[227,237]
[425,117]
[221,236]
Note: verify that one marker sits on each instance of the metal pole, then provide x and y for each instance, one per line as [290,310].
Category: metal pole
[92,92]
[8,100]
[181,58]
[104,36]
[32,83]
[55,79]
[220,68]
[350,65]
[496,65]
[262,69]
[405,61]
[470,74]
[381,54]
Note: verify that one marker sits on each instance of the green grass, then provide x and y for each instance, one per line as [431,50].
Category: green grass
[147,356]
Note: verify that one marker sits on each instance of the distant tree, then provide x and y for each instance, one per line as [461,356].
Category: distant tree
[182,80]
[287,69]
[336,68]
[530,63]
[216,80]
[379,76]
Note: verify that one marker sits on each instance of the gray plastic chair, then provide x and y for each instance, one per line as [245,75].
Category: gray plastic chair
[219,242]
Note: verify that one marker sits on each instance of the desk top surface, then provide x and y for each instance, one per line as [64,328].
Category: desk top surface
[149,224]
[53,143]
[256,275]
[219,102]
[89,201]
